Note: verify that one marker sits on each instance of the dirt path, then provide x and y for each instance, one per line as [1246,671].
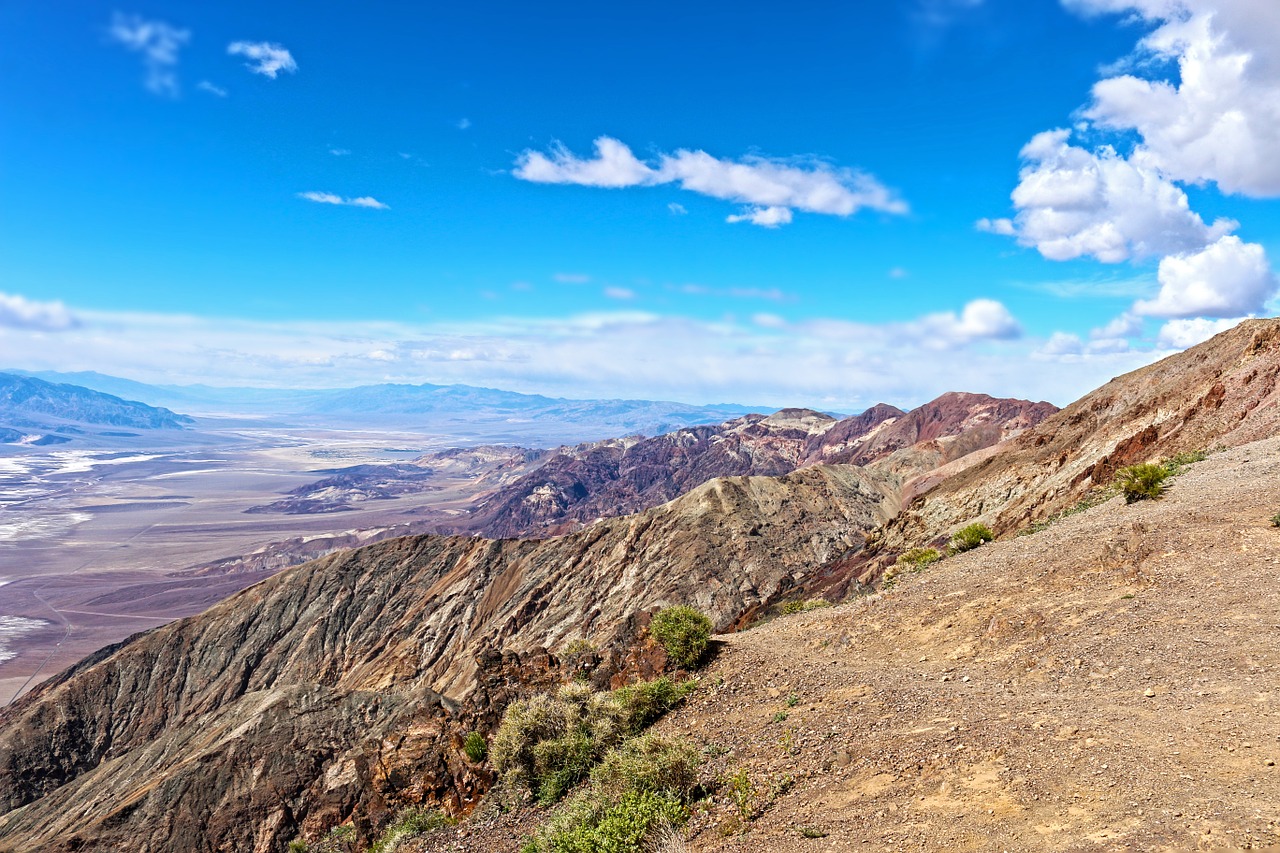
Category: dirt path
[1112,682]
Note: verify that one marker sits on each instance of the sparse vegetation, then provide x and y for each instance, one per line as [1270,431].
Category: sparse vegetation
[1275,520]
[793,700]
[1089,501]
[803,605]
[638,793]
[410,823]
[550,742]
[684,632]
[1144,481]
[917,558]
[780,717]
[969,537]
[475,747]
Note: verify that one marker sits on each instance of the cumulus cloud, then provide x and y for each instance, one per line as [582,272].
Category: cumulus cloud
[18,312]
[1228,278]
[1075,203]
[1220,120]
[981,319]
[265,58]
[158,42]
[333,198]
[771,188]
[1180,334]
[216,91]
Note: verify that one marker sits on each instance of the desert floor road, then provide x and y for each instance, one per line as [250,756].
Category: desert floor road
[90,539]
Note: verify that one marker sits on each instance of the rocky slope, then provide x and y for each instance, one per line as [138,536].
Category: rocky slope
[578,485]
[1109,683]
[341,686]
[1221,393]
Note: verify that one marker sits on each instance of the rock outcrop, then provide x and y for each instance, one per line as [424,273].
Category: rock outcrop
[341,688]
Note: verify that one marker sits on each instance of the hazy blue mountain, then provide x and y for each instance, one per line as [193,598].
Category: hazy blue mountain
[59,411]
[459,410]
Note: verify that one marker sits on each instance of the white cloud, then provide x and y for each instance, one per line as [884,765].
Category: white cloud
[981,319]
[571,277]
[840,363]
[18,312]
[332,198]
[1220,119]
[1003,227]
[1062,343]
[768,217]
[1180,334]
[622,293]
[899,273]
[158,42]
[462,123]
[216,91]
[677,209]
[1075,203]
[340,152]
[1126,325]
[772,188]
[1228,278]
[265,58]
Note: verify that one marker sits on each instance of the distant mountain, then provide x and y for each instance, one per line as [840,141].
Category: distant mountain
[39,412]
[486,415]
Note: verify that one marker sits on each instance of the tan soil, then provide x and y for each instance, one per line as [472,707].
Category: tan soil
[1110,683]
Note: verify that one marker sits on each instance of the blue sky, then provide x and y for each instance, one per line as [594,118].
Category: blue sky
[740,202]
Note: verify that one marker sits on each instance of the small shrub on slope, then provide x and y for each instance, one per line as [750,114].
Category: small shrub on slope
[550,742]
[475,747]
[684,632]
[410,823]
[969,537]
[1144,481]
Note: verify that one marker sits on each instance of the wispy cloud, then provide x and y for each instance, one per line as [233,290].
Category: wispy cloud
[772,294]
[216,91]
[623,293]
[829,362]
[571,277]
[158,42]
[771,188]
[334,198]
[265,58]
[462,123]
[18,312]
[677,209]
[340,152]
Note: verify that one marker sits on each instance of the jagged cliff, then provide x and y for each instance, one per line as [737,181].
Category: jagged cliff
[335,688]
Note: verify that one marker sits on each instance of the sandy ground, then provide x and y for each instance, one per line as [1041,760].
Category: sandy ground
[1110,683]
[79,526]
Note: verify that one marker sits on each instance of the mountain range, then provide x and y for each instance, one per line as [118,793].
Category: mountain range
[33,411]
[339,691]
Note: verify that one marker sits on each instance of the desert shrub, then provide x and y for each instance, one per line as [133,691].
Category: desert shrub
[649,763]
[1144,481]
[803,605]
[1178,461]
[969,537]
[1275,520]
[684,632]
[917,558]
[590,823]
[550,742]
[475,747]
[643,704]
[410,823]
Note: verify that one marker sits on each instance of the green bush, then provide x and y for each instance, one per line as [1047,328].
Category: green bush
[475,747]
[649,763]
[1275,520]
[684,632]
[550,742]
[1144,481]
[917,558]
[969,537]
[410,823]
[803,606]
[593,824]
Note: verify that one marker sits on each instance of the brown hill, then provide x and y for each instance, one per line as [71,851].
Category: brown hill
[340,687]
